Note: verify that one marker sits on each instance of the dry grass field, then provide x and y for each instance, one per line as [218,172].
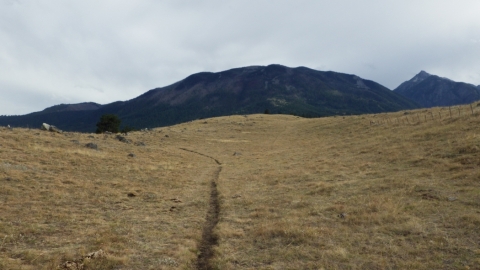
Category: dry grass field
[385,191]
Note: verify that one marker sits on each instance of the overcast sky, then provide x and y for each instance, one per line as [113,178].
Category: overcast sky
[65,51]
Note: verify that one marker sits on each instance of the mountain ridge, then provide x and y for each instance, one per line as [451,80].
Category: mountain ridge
[245,90]
[83,106]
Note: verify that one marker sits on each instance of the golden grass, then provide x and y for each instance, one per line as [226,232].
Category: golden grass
[386,191]
[60,200]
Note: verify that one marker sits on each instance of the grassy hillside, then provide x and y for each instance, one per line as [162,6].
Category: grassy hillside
[385,191]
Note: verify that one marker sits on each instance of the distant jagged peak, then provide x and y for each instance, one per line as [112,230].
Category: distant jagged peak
[424,73]
[421,76]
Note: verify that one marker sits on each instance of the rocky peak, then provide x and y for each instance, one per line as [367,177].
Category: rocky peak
[433,91]
[420,76]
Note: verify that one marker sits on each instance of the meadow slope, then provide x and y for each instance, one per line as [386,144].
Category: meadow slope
[386,191]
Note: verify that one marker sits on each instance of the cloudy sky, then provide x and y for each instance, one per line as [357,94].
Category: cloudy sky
[65,51]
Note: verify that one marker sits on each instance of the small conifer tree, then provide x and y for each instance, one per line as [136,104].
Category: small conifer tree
[109,122]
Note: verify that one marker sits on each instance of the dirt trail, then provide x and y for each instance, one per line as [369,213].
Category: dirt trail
[191,151]
[209,238]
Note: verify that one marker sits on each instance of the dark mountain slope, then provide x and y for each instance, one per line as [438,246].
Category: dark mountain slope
[300,91]
[431,91]
[279,89]
[86,106]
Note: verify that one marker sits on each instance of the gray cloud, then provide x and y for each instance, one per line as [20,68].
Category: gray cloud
[58,51]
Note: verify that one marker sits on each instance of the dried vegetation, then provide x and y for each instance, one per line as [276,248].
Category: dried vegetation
[355,192]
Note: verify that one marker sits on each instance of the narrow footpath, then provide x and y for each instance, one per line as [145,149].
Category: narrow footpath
[209,238]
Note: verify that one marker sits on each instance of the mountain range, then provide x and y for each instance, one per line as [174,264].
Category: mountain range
[273,89]
[256,89]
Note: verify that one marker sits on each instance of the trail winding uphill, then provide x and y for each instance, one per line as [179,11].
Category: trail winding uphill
[209,237]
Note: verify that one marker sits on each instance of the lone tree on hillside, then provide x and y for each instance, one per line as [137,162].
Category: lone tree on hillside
[109,122]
